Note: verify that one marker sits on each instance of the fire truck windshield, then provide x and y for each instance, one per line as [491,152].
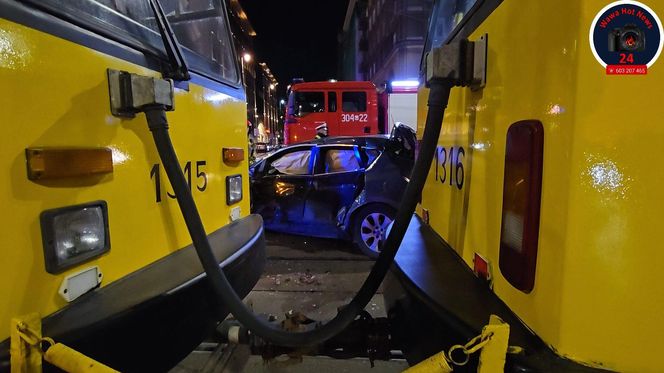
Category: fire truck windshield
[304,103]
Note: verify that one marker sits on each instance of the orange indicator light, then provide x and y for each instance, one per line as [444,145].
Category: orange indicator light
[233,154]
[60,163]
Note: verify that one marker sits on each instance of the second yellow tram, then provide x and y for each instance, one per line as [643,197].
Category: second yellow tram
[544,203]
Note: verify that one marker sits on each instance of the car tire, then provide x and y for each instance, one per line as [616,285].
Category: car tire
[370,226]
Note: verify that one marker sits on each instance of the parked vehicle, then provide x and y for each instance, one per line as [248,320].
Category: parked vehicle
[337,187]
[347,108]
[261,147]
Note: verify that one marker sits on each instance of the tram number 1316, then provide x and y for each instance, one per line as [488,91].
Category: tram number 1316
[201,176]
[449,165]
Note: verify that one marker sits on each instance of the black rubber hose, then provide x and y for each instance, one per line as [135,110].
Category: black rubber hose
[438,98]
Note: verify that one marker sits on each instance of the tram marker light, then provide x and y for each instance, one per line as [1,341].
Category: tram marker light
[233,154]
[60,163]
[233,189]
[74,234]
[522,191]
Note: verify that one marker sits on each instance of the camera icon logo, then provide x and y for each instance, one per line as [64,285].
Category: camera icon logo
[628,38]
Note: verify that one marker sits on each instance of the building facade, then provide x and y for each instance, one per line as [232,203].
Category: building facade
[382,40]
[259,82]
[267,103]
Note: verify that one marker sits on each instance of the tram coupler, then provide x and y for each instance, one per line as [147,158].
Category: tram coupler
[366,337]
[461,62]
[133,93]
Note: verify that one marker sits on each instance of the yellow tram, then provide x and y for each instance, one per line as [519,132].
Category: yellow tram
[92,239]
[544,204]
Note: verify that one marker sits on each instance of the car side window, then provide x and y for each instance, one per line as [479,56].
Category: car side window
[293,163]
[371,155]
[338,160]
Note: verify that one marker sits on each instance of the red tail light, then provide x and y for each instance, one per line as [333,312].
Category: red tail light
[521,203]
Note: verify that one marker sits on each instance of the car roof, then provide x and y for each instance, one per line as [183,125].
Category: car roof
[373,140]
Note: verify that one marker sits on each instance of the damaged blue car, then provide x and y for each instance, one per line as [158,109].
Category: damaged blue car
[340,187]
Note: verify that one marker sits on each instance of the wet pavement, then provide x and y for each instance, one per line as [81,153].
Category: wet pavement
[310,275]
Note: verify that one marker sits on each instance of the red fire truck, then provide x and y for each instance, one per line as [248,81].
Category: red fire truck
[347,108]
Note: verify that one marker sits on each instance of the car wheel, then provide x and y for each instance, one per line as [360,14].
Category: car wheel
[370,226]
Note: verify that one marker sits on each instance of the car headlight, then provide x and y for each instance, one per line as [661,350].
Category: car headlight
[233,189]
[74,234]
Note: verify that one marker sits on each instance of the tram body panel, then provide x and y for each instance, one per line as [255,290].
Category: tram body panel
[596,292]
[66,104]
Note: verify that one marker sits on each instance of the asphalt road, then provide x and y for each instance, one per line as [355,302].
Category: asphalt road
[309,275]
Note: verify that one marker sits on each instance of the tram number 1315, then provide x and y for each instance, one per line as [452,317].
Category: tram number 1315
[201,176]
[449,165]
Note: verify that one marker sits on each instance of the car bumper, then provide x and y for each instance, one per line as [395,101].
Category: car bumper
[152,318]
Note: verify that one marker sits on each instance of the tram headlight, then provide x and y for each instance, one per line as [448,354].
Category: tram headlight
[74,234]
[233,189]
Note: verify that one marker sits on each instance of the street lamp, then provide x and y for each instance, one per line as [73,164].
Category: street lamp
[246,57]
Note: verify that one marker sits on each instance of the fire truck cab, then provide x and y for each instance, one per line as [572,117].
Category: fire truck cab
[347,108]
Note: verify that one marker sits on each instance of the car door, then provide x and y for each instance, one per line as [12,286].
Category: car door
[358,115]
[338,178]
[279,190]
[333,114]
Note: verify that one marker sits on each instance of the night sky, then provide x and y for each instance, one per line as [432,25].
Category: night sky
[297,38]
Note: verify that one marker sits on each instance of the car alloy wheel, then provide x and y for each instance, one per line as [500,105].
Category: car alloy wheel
[372,230]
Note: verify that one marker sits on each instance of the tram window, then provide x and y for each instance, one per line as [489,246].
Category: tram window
[445,17]
[353,102]
[309,102]
[200,26]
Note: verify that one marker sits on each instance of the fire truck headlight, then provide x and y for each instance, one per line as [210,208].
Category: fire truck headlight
[233,189]
[74,234]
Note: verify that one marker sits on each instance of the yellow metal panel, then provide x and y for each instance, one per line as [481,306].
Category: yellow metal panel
[597,292]
[56,94]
